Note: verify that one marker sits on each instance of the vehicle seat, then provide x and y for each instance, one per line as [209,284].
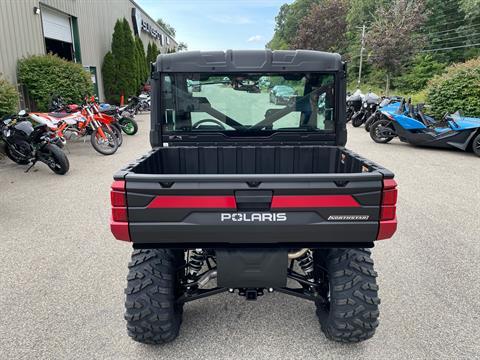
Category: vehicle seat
[57,115]
[423,119]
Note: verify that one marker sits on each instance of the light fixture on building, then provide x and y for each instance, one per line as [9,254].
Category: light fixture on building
[36,10]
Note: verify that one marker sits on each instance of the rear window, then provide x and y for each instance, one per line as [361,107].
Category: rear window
[247,103]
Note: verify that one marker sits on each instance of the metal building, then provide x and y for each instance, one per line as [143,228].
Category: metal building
[78,30]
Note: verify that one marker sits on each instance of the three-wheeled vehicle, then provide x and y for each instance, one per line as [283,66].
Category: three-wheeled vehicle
[411,125]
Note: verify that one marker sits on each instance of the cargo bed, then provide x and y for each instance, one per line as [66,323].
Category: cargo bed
[261,195]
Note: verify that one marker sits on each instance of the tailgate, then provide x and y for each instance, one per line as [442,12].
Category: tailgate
[202,210]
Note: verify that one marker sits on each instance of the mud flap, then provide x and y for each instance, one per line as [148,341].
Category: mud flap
[252,268]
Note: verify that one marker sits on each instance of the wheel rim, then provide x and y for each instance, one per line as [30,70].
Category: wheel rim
[381,132]
[107,144]
[477,145]
[128,127]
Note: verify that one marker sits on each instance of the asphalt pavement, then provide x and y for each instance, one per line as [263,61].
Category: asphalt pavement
[62,274]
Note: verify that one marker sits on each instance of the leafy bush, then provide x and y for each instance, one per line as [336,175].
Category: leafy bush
[49,75]
[8,98]
[457,89]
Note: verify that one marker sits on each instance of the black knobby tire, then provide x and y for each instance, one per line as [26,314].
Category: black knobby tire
[476,145]
[153,316]
[12,156]
[357,119]
[58,161]
[116,129]
[104,149]
[351,312]
[376,131]
[129,126]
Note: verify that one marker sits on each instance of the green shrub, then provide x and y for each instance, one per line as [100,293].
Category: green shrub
[457,89]
[8,98]
[48,75]
[416,76]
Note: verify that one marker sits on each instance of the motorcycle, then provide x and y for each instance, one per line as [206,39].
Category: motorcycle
[412,126]
[390,102]
[26,144]
[123,117]
[354,103]
[80,124]
[111,123]
[369,106]
[144,102]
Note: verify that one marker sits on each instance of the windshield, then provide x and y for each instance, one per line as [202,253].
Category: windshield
[243,103]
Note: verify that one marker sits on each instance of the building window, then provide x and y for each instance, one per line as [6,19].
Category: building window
[57,31]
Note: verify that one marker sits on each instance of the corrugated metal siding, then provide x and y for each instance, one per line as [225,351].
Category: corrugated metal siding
[20,34]
[21,31]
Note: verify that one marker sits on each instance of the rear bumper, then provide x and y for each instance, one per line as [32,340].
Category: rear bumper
[312,234]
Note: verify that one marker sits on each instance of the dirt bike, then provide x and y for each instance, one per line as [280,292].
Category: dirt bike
[58,106]
[124,116]
[80,124]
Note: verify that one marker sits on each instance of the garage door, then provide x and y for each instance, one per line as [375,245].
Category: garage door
[56,25]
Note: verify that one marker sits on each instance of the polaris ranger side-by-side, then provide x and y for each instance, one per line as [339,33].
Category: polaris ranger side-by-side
[245,196]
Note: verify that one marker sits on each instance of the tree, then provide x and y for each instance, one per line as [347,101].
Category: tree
[109,77]
[287,22]
[392,38]
[182,46]
[149,54]
[169,29]
[324,27]
[123,51]
[142,60]
[129,61]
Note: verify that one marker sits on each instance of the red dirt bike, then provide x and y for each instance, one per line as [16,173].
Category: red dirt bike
[58,106]
[79,124]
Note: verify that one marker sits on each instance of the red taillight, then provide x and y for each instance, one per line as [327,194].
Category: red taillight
[388,219]
[118,198]
[119,214]
[119,220]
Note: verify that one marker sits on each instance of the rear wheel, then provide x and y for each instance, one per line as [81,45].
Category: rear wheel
[107,145]
[129,126]
[476,145]
[350,312]
[56,159]
[152,313]
[381,132]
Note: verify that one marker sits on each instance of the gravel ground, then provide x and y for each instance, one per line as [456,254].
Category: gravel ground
[62,274]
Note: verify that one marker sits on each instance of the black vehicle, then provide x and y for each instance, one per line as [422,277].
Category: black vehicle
[354,104]
[247,195]
[26,144]
[369,106]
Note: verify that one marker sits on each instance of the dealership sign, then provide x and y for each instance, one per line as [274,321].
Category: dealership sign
[140,24]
